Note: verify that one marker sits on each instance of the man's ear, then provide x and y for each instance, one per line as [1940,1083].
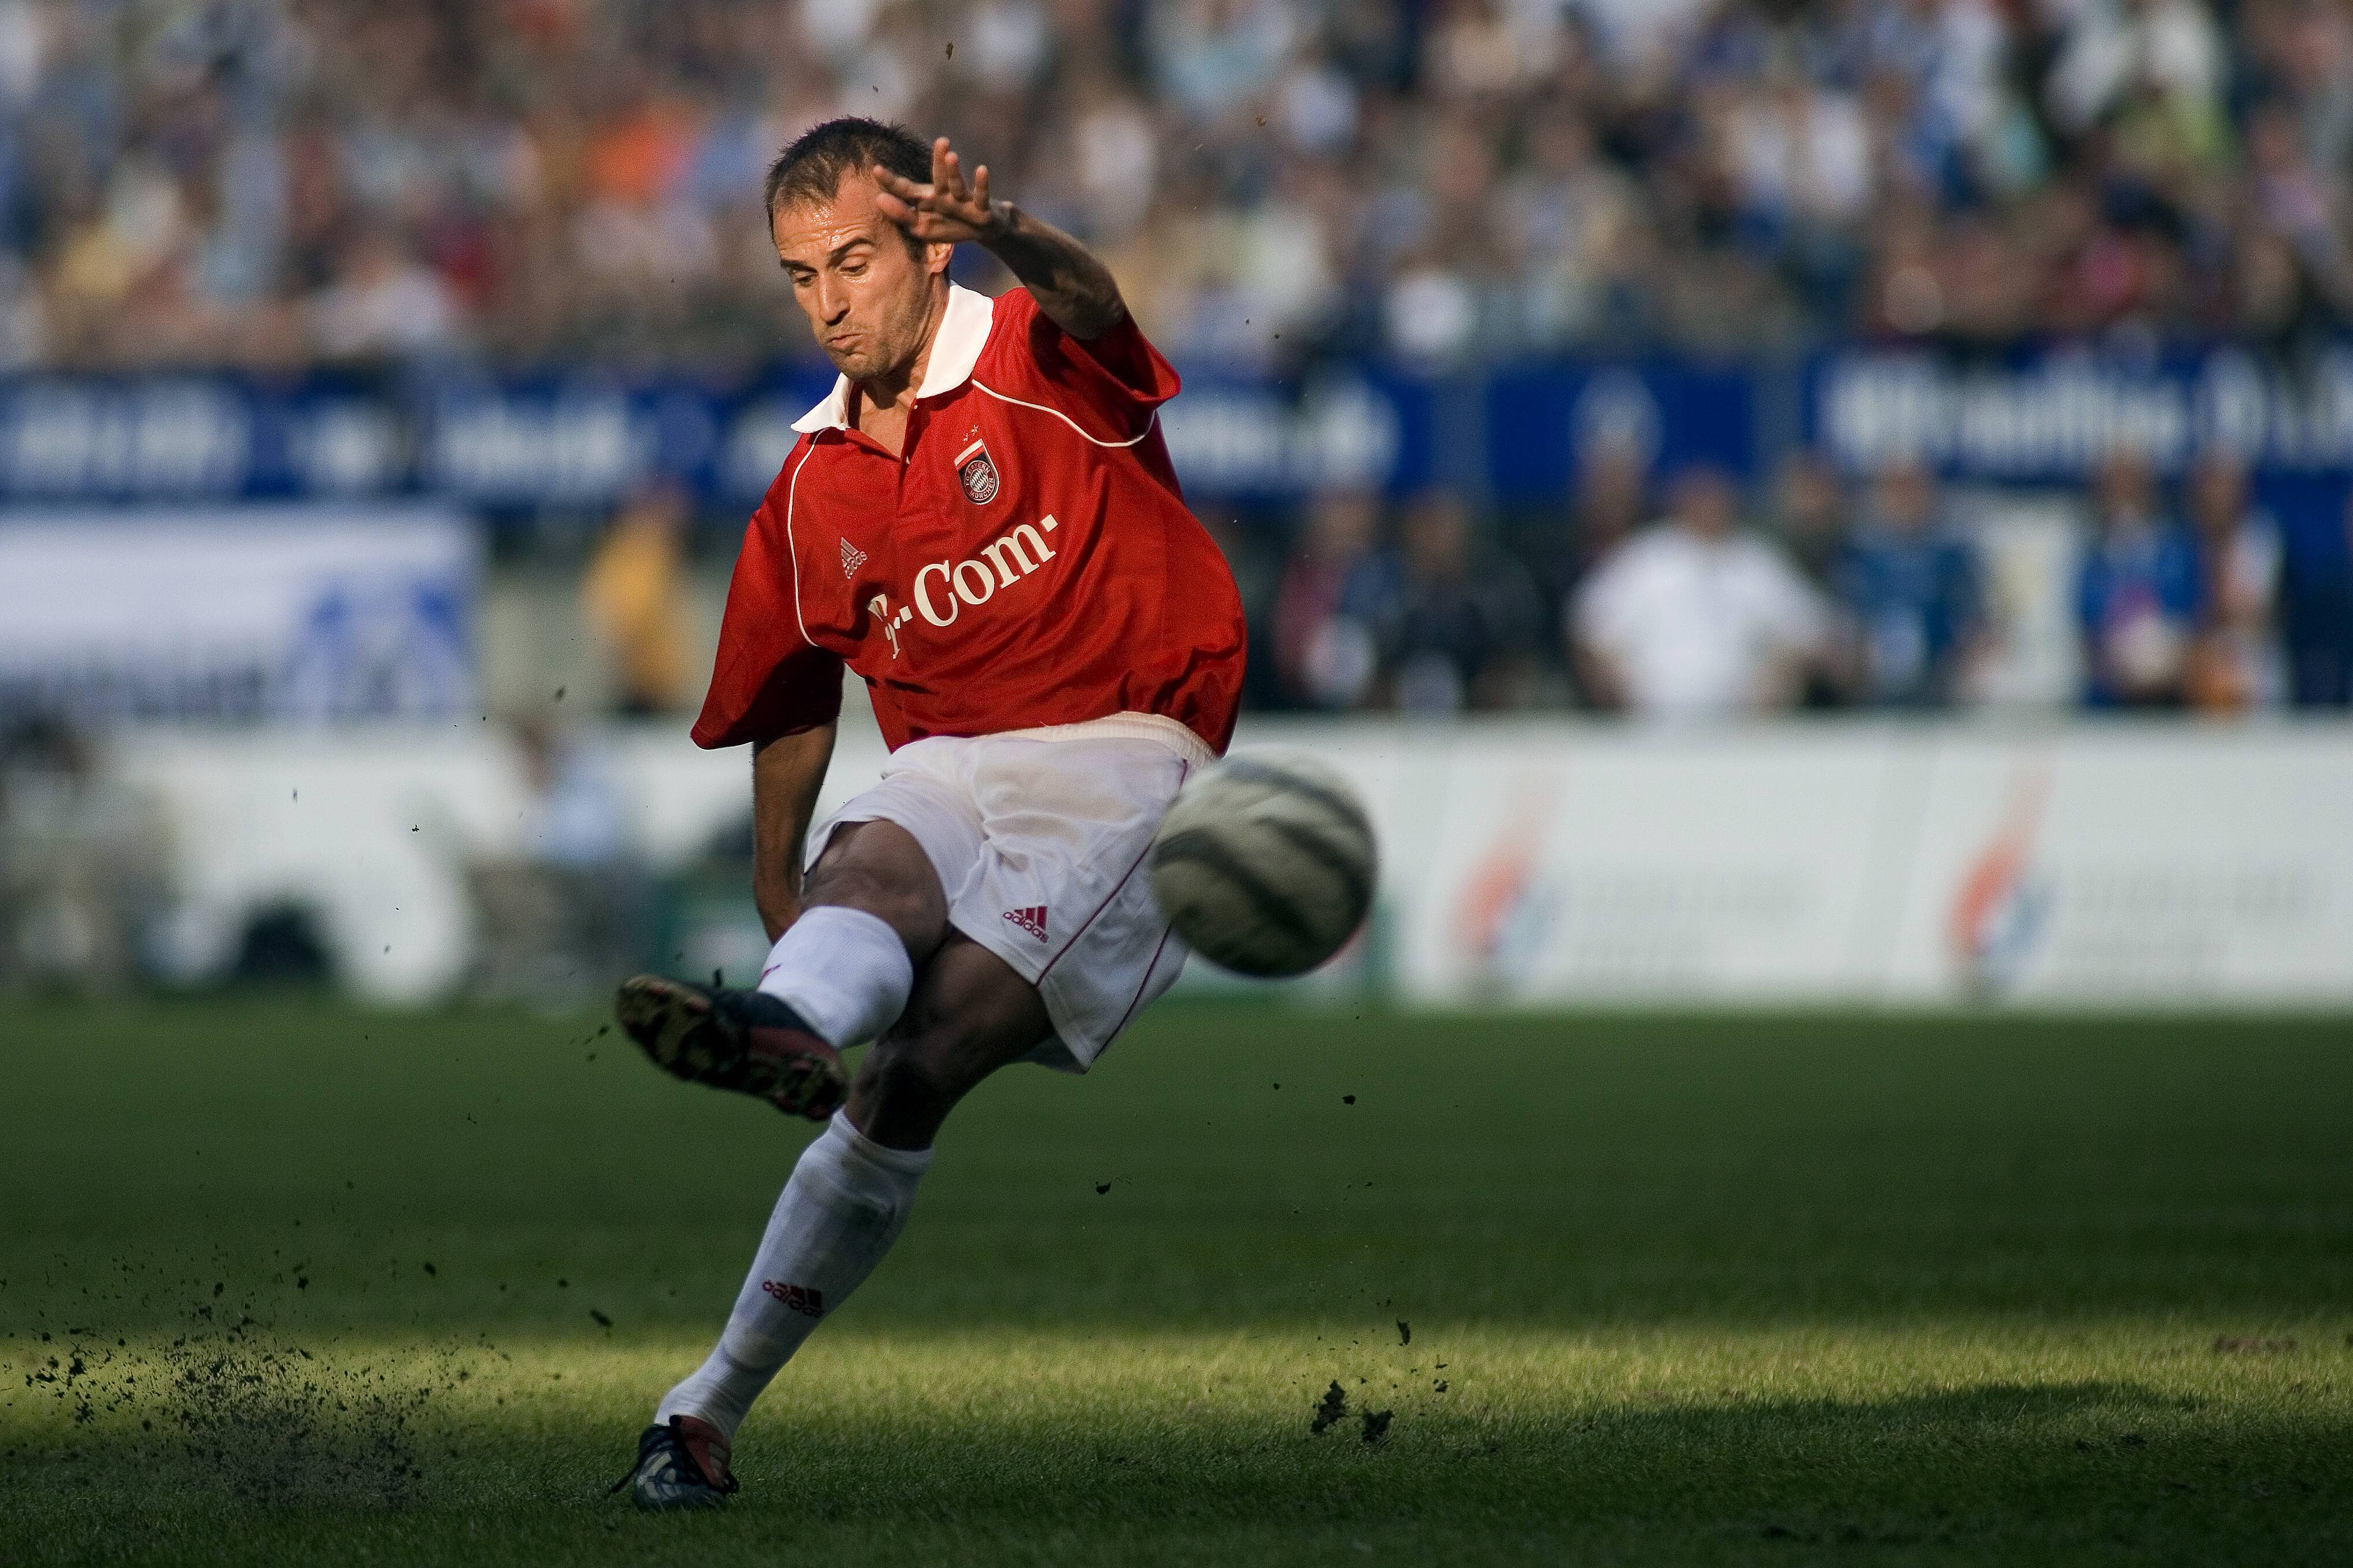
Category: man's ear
[937,255]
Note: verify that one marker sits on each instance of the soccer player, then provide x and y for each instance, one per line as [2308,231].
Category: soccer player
[981,521]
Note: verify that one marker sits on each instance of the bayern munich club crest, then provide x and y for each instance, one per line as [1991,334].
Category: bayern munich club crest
[978,474]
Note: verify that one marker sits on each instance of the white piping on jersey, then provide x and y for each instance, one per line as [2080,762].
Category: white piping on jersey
[791,552]
[1066,419]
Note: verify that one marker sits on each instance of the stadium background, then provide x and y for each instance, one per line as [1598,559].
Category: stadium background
[1820,528]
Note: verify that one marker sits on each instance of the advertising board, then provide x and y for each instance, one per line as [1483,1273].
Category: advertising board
[2130,866]
[302,614]
[1522,866]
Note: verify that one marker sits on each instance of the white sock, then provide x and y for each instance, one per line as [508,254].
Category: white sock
[843,970]
[840,1213]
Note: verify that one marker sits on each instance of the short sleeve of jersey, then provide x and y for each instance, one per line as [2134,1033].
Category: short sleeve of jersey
[768,681]
[1605,606]
[1118,378]
[1787,610]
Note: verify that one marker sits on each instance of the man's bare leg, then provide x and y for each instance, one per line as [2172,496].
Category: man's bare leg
[970,1016]
[879,869]
[872,912]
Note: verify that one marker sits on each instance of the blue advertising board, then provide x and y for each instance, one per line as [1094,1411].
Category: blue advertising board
[2051,416]
[1520,432]
[1545,421]
[585,440]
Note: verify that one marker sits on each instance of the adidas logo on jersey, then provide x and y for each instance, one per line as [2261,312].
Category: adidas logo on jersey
[1032,919]
[853,558]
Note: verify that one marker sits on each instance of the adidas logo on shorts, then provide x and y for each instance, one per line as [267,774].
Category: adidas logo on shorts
[1032,919]
[853,558]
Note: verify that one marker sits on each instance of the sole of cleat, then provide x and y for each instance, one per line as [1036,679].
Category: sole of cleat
[676,1026]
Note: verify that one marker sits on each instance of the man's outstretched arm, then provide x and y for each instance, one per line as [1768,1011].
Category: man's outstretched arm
[1073,289]
[786,774]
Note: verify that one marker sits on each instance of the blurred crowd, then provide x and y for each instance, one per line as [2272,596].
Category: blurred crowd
[297,181]
[1822,594]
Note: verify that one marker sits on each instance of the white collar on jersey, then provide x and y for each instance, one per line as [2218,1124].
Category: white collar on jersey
[955,349]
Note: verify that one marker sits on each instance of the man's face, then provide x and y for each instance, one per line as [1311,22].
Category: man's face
[2218,495]
[2126,491]
[1343,523]
[1906,499]
[1706,504]
[1437,538]
[1809,498]
[868,295]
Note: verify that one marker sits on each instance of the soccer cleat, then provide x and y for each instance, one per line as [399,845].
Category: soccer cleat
[744,1040]
[680,1466]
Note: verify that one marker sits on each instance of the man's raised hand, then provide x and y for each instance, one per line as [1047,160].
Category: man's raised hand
[945,212]
[1071,288]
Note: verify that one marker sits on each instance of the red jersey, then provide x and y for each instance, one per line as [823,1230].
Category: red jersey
[1028,561]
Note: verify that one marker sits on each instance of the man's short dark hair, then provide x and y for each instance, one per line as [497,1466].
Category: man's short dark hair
[811,169]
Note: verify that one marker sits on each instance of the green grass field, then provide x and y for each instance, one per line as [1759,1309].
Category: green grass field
[280,1280]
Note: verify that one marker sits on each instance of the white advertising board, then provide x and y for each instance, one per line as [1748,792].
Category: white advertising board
[2132,866]
[1522,865]
[281,613]
[1594,867]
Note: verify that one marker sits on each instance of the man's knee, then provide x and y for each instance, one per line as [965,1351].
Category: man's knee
[916,1063]
[886,874]
[909,1081]
[969,1015]
[903,909]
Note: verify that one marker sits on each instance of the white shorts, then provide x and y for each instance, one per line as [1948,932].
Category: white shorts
[1038,838]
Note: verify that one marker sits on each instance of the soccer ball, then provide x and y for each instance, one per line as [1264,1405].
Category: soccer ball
[1265,864]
